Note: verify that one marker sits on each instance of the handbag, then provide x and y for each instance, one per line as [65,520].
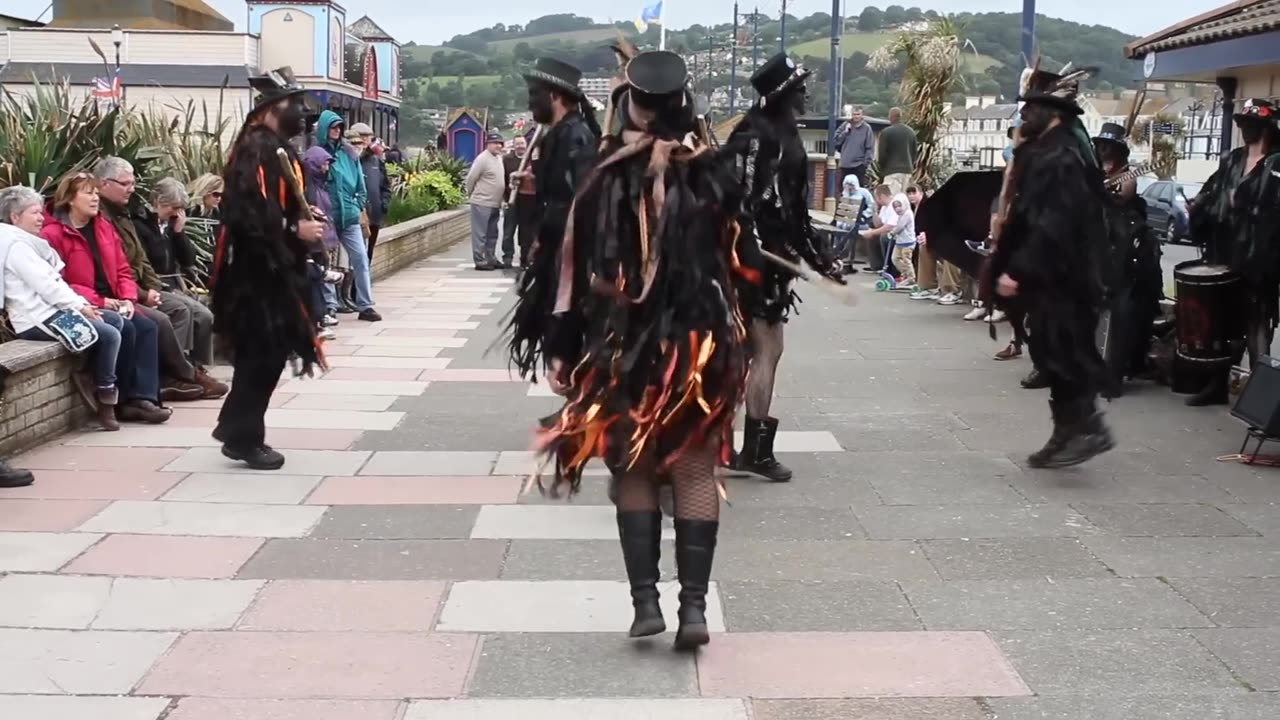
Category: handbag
[72,329]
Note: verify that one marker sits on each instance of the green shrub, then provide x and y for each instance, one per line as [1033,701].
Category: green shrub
[421,194]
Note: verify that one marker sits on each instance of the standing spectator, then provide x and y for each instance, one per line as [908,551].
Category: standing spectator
[348,192]
[526,207]
[34,292]
[315,169]
[486,189]
[442,142]
[856,142]
[511,215]
[1007,153]
[98,270]
[394,155]
[173,257]
[207,192]
[180,379]
[376,181]
[896,154]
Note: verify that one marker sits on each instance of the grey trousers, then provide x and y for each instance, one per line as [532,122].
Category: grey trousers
[484,233]
[192,323]
[173,358]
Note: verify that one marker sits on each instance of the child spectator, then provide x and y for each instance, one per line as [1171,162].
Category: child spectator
[315,166]
[904,239]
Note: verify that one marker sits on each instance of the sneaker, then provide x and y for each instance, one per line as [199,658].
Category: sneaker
[332,277]
[329,320]
[997,317]
[369,315]
[213,389]
[327,334]
[180,391]
[976,314]
[949,299]
[925,294]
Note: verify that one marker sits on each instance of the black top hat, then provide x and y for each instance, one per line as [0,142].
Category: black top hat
[778,75]
[656,78]
[273,86]
[1259,109]
[558,74]
[1112,132]
[1056,91]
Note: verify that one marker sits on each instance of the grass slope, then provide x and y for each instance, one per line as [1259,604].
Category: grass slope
[593,35]
[868,43]
[423,53]
[468,81]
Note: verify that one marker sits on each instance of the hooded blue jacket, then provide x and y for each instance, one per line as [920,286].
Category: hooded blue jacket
[346,176]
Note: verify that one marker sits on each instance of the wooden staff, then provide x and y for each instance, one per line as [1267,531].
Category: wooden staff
[844,292]
[524,165]
[294,183]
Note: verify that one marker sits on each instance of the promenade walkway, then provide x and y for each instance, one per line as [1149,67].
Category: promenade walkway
[914,570]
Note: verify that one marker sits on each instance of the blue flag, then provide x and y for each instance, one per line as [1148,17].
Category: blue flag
[650,15]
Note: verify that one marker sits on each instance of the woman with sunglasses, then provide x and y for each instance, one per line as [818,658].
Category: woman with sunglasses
[206,191]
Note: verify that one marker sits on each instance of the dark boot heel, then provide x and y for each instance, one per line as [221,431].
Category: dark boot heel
[695,551]
[641,537]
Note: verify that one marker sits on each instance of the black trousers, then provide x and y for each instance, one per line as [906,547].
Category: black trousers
[519,222]
[1047,356]
[241,424]
[373,239]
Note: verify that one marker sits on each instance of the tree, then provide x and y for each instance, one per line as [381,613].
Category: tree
[894,15]
[524,52]
[871,19]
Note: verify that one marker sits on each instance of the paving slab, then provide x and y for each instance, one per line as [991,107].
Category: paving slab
[41,552]
[117,459]
[550,522]
[1052,604]
[46,515]
[297,462]
[243,489]
[1264,519]
[408,490]
[364,361]
[834,665]
[1188,557]
[51,602]
[1252,706]
[404,522]
[63,662]
[573,606]
[1163,520]
[577,709]
[887,709]
[273,709]
[595,665]
[575,560]
[314,665]
[325,606]
[811,560]
[195,437]
[816,607]
[355,387]
[377,560]
[171,604]
[1233,602]
[413,463]
[1012,558]
[97,485]
[54,707]
[789,523]
[918,522]
[165,556]
[1253,654]
[142,517]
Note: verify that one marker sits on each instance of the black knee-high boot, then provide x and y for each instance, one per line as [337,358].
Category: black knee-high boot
[695,551]
[641,536]
[757,455]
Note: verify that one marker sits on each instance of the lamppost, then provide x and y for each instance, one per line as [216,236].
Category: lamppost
[833,97]
[117,84]
[755,39]
[710,64]
[782,36]
[1028,29]
[733,65]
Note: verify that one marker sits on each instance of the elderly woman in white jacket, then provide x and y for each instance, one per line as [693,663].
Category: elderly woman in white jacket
[34,291]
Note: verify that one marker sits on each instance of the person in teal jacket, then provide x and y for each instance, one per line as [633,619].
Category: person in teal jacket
[349,196]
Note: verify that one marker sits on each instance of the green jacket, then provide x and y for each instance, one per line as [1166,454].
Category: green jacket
[134,252]
[346,175]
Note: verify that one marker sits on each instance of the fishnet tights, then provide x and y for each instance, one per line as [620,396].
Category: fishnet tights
[766,351]
[693,483]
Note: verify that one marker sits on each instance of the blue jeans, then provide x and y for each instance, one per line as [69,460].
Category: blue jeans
[104,353]
[352,240]
[138,364]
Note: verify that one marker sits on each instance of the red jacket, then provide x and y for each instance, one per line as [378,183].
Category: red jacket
[73,248]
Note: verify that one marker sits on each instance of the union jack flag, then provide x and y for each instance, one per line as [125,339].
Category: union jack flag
[107,89]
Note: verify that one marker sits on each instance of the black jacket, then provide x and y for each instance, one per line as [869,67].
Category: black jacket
[377,186]
[170,252]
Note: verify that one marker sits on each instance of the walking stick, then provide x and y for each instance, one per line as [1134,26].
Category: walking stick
[294,183]
[844,292]
[524,165]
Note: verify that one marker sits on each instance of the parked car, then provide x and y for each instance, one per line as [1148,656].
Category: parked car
[1168,205]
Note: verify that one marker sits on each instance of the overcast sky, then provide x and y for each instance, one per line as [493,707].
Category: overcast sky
[423,23]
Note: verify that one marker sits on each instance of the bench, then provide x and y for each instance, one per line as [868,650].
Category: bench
[40,399]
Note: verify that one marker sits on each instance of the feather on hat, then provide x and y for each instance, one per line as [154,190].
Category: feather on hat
[1057,90]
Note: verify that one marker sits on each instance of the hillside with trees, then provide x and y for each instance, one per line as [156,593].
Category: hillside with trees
[482,68]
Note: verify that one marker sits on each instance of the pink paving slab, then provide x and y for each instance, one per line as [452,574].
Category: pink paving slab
[314,665]
[354,373]
[194,417]
[96,485]
[165,556]
[63,457]
[376,490]
[468,375]
[46,515]
[337,606]
[860,664]
[331,348]
[212,709]
[277,400]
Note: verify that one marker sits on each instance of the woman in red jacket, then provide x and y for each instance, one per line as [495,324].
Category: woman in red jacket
[96,268]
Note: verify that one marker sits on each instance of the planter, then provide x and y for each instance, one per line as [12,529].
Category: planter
[402,245]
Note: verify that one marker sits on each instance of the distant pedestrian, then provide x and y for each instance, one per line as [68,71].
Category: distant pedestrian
[896,154]
[856,142]
[486,189]
[519,215]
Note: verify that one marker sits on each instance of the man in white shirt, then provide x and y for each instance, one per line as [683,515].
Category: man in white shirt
[486,188]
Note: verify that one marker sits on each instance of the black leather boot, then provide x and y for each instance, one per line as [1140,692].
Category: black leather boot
[641,536]
[1213,393]
[1081,435]
[1058,439]
[757,451]
[11,477]
[1035,380]
[695,551]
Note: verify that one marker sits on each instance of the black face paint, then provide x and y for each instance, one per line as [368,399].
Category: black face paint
[1034,120]
[292,120]
[799,99]
[1250,131]
[540,104]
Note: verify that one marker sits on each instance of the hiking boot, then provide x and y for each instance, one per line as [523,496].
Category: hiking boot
[757,451]
[641,537]
[105,400]
[695,551]
[369,315]
[212,388]
[262,457]
[1079,435]
[11,477]
[143,411]
[180,391]
[1035,380]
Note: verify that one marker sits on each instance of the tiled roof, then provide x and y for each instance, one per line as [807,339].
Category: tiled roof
[1239,19]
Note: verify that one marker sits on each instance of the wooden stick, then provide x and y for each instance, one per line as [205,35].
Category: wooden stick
[844,292]
[294,183]
[524,165]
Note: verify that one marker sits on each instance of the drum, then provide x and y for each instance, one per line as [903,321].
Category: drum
[1209,318]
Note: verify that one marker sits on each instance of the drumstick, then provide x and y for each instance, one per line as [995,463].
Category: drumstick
[844,292]
[286,167]
[524,165]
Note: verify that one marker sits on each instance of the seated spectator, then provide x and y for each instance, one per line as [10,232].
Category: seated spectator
[180,380]
[35,293]
[97,269]
[173,257]
[852,190]
[886,220]
[207,192]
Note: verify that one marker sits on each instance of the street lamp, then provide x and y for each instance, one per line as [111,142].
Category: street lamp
[833,97]
[117,84]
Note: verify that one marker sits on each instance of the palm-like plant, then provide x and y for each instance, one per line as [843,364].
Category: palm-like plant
[187,142]
[930,64]
[1164,145]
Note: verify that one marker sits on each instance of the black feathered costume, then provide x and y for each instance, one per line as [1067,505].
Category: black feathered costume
[260,283]
[1052,240]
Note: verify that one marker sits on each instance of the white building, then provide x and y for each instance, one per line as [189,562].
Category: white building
[976,134]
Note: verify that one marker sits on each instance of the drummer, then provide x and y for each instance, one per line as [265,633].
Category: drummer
[1236,217]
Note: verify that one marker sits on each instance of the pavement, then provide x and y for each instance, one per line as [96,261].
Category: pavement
[915,569]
